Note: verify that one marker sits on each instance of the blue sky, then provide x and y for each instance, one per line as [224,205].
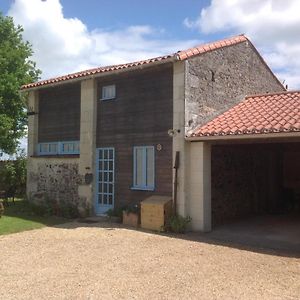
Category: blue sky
[73,35]
[69,35]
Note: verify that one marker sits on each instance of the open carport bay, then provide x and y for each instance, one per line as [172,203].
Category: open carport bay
[259,184]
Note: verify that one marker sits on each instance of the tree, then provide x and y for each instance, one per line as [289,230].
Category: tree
[16,69]
[13,176]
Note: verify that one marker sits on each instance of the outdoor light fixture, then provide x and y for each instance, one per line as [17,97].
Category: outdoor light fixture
[30,112]
[173,132]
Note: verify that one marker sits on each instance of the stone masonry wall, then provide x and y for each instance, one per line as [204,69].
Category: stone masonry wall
[56,181]
[217,80]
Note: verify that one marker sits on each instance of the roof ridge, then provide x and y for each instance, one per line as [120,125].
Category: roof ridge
[271,94]
[180,55]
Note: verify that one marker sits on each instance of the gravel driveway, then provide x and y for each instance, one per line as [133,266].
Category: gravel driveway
[96,261]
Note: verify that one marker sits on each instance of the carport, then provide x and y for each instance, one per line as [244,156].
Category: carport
[245,169]
[261,177]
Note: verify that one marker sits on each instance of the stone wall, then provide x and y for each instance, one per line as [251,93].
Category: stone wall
[56,180]
[217,80]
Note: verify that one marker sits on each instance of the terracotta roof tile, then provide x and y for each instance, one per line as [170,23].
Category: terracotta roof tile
[269,113]
[180,55]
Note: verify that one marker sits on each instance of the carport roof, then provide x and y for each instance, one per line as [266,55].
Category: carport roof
[258,114]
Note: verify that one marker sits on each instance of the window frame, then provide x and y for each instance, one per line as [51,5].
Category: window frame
[59,148]
[144,185]
[102,92]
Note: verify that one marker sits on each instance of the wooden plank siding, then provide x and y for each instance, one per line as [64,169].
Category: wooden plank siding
[140,115]
[59,113]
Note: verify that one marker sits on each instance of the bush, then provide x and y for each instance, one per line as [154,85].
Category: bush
[68,210]
[13,176]
[177,223]
[41,210]
[133,208]
[115,212]
[50,207]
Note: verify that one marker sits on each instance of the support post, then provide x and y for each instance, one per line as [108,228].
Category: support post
[88,114]
[200,186]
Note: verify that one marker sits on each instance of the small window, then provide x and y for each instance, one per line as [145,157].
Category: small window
[143,168]
[48,148]
[108,92]
[69,147]
[55,148]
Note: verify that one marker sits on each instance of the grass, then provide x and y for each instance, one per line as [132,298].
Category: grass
[20,217]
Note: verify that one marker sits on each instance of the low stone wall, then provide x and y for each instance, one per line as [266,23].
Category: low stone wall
[55,180]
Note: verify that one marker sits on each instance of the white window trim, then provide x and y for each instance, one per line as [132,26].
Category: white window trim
[143,187]
[102,92]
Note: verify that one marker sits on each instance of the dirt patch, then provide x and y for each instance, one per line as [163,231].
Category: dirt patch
[98,261]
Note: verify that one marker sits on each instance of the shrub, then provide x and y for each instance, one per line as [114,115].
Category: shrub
[68,210]
[177,223]
[115,212]
[41,210]
[134,208]
[13,176]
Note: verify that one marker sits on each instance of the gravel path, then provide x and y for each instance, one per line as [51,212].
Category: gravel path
[80,261]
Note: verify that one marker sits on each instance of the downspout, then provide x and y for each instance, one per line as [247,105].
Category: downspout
[176,167]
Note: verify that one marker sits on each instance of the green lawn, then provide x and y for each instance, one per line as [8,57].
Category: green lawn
[19,217]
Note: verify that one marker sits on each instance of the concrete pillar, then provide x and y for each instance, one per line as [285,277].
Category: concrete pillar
[33,123]
[179,143]
[88,115]
[200,186]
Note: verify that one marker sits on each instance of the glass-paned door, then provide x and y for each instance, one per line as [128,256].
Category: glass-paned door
[105,180]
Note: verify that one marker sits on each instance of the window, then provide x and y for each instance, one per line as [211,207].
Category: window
[143,168]
[108,92]
[69,148]
[56,148]
[47,148]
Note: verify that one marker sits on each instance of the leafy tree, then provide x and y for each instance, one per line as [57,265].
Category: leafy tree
[16,69]
[13,175]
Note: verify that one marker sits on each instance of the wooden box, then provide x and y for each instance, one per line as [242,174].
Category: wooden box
[154,212]
[130,219]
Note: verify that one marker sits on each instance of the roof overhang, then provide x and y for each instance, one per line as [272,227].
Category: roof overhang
[101,74]
[260,136]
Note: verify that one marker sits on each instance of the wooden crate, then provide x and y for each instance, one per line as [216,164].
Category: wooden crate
[130,219]
[154,212]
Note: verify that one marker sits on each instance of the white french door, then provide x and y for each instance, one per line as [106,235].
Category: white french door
[105,179]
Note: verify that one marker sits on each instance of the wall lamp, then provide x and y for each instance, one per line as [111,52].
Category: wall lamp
[30,112]
[173,132]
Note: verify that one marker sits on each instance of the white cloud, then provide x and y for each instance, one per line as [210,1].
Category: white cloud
[63,45]
[273,26]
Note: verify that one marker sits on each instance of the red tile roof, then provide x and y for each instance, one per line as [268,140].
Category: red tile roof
[260,114]
[180,55]
[185,54]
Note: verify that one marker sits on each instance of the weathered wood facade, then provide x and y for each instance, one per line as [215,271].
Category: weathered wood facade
[59,113]
[140,115]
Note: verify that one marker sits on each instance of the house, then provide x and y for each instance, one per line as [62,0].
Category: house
[108,137]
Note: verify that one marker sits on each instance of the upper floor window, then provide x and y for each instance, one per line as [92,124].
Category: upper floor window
[143,168]
[108,92]
[48,148]
[58,148]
